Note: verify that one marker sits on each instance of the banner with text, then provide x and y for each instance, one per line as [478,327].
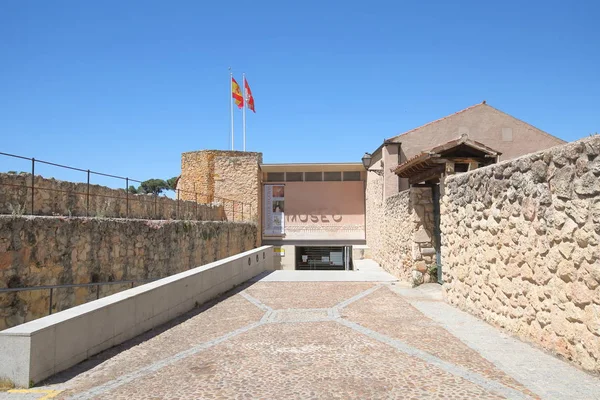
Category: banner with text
[273,207]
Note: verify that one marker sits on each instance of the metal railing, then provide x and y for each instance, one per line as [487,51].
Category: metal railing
[73,285]
[236,210]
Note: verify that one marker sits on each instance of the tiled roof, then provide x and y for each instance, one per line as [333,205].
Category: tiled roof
[423,157]
[464,139]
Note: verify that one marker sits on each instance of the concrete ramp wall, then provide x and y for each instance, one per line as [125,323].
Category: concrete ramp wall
[38,349]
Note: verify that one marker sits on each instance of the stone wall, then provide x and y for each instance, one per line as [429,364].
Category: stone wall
[400,230]
[394,254]
[423,239]
[56,250]
[237,177]
[374,213]
[231,175]
[520,247]
[54,197]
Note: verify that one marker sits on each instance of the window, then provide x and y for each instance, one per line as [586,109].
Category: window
[461,167]
[313,176]
[352,175]
[294,176]
[332,176]
[275,177]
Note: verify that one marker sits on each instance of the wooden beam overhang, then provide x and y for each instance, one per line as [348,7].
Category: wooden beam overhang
[426,175]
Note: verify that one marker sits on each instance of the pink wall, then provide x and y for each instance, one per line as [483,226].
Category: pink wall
[325,210]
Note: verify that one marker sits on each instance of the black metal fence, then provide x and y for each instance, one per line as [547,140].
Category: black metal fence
[52,288]
[89,200]
[60,302]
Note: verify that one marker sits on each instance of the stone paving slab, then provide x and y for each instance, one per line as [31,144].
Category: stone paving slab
[542,373]
[279,340]
[299,361]
[284,295]
[365,271]
[387,313]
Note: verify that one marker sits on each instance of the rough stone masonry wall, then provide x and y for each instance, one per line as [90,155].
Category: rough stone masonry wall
[238,178]
[394,254]
[400,230]
[422,239]
[407,249]
[374,214]
[520,247]
[233,175]
[54,197]
[56,250]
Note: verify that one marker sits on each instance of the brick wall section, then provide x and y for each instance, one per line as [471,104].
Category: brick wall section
[53,250]
[54,197]
[521,247]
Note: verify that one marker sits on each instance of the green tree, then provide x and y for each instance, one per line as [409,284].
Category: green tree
[132,189]
[153,186]
[172,183]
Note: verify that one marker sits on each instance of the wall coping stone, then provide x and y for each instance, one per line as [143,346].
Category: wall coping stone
[29,360]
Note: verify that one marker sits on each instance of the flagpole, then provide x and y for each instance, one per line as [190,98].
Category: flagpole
[231,103]
[244,109]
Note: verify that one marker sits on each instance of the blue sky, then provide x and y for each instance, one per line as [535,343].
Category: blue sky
[124,87]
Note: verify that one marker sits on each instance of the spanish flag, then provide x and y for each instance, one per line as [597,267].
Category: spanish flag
[236,93]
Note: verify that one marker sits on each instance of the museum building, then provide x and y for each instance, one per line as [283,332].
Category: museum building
[321,215]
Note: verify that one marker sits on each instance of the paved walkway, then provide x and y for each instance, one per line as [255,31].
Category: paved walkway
[365,271]
[286,339]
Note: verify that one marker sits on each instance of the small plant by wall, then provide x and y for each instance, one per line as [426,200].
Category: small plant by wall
[432,270]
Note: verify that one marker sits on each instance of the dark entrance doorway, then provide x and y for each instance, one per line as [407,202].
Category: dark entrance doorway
[324,258]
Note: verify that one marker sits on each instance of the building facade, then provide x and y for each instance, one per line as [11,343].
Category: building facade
[393,199]
[315,214]
[515,239]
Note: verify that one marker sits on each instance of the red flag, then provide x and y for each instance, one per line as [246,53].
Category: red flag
[236,93]
[249,98]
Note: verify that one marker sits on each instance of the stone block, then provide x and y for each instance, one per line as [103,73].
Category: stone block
[427,251]
[529,208]
[579,294]
[416,251]
[538,171]
[523,164]
[578,210]
[562,182]
[421,236]
[591,319]
[417,278]
[588,184]
[420,266]
[595,167]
